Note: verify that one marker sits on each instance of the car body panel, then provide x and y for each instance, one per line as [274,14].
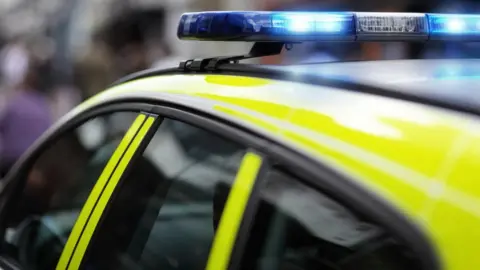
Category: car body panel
[455,213]
[385,144]
[386,128]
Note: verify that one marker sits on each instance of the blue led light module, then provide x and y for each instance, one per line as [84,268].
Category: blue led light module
[450,26]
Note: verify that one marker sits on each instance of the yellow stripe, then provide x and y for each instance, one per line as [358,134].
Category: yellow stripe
[233,213]
[96,192]
[107,193]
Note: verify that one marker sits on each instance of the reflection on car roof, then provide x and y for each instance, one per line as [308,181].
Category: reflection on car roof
[453,80]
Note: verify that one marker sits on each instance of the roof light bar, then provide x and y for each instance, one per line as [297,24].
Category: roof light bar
[327,26]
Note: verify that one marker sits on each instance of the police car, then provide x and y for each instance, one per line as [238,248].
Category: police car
[220,165]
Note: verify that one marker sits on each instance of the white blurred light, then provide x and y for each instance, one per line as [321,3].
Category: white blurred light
[300,24]
[303,23]
[455,25]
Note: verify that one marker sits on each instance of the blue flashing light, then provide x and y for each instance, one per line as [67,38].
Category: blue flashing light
[447,26]
[311,23]
[266,26]
[326,26]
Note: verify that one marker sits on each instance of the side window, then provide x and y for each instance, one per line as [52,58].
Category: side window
[57,186]
[297,227]
[162,215]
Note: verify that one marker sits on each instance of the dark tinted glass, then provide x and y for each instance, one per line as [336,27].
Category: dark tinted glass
[299,228]
[163,215]
[57,186]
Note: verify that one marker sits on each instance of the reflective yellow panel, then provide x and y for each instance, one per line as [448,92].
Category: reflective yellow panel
[455,218]
[233,213]
[239,81]
[398,156]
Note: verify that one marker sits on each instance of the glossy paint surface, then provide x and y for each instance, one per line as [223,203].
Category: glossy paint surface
[422,159]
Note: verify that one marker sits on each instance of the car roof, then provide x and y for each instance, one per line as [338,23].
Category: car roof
[448,83]
[452,81]
[448,79]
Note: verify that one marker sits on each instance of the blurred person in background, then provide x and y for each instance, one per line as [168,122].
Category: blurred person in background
[24,117]
[165,58]
[14,62]
[131,41]
[55,82]
[141,42]
[95,70]
[63,98]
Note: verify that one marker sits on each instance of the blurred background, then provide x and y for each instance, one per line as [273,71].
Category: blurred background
[56,53]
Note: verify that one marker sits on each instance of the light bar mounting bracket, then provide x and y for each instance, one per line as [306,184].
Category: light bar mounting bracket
[259,49]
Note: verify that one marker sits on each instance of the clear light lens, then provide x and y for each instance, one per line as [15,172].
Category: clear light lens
[391,26]
[391,23]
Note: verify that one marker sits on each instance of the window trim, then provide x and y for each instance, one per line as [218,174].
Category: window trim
[332,182]
[13,181]
[137,154]
[234,210]
[249,215]
[97,213]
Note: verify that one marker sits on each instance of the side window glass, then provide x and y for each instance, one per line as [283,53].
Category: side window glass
[57,186]
[297,227]
[162,215]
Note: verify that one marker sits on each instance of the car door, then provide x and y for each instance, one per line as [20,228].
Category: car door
[52,191]
[166,209]
[297,226]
